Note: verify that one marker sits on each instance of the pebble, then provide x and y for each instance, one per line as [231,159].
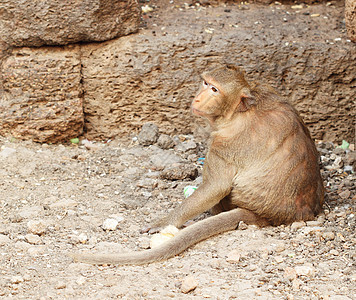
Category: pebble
[279,259]
[36,250]
[345,194]
[38,227]
[186,146]
[164,159]
[81,280]
[89,145]
[328,236]
[189,284]
[312,230]
[296,283]
[148,134]
[65,203]
[21,246]
[297,6]
[290,273]
[60,285]
[334,252]
[110,224]
[6,152]
[180,171]
[165,142]
[30,212]
[242,225]
[33,239]
[317,223]
[297,225]
[83,238]
[233,256]
[305,270]
[16,279]
[4,239]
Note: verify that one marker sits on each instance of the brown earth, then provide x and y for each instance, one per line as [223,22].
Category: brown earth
[56,199]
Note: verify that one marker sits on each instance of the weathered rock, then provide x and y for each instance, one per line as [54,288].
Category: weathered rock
[42,97]
[180,171]
[148,134]
[165,141]
[189,284]
[56,22]
[305,270]
[164,159]
[152,77]
[38,227]
[4,239]
[110,224]
[350,18]
[33,239]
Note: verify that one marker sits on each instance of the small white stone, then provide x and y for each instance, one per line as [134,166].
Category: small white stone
[82,238]
[110,224]
[65,203]
[6,152]
[279,259]
[334,252]
[233,256]
[189,284]
[305,270]
[60,285]
[37,250]
[297,225]
[81,280]
[16,279]
[4,239]
[32,239]
[37,226]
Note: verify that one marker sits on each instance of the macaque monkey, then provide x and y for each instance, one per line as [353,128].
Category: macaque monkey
[261,168]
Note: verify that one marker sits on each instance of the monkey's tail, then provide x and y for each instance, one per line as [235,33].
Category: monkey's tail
[185,238]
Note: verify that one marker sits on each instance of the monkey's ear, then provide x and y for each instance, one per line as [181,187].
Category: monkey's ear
[246,100]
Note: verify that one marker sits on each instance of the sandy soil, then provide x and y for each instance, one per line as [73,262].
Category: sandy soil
[55,198]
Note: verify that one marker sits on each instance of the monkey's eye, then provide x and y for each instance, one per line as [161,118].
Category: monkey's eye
[214,89]
[205,83]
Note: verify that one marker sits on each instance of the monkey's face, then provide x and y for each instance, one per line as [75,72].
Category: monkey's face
[207,102]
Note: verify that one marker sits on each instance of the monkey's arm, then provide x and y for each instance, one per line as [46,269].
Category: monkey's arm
[217,183]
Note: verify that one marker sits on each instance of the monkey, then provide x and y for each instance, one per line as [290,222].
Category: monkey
[262,167]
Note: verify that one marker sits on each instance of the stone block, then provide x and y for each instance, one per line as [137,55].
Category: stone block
[41,96]
[350,18]
[58,22]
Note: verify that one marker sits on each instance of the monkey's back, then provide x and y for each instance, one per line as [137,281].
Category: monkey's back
[280,178]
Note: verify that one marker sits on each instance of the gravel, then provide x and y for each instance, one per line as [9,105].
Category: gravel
[57,199]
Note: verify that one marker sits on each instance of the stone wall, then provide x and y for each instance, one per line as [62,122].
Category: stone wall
[350,18]
[41,91]
[109,89]
[58,22]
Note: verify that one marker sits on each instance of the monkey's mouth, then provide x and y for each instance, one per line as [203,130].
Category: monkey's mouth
[197,112]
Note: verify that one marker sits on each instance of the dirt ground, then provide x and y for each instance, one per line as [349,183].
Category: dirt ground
[55,199]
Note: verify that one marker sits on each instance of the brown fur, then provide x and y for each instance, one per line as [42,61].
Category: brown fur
[261,167]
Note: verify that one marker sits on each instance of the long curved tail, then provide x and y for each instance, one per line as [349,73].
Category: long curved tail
[187,237]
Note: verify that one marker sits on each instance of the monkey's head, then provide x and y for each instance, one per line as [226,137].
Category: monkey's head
[224,91]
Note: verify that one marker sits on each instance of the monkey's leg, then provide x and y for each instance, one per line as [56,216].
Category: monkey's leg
[224,205]
[204,198]
[187,237]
